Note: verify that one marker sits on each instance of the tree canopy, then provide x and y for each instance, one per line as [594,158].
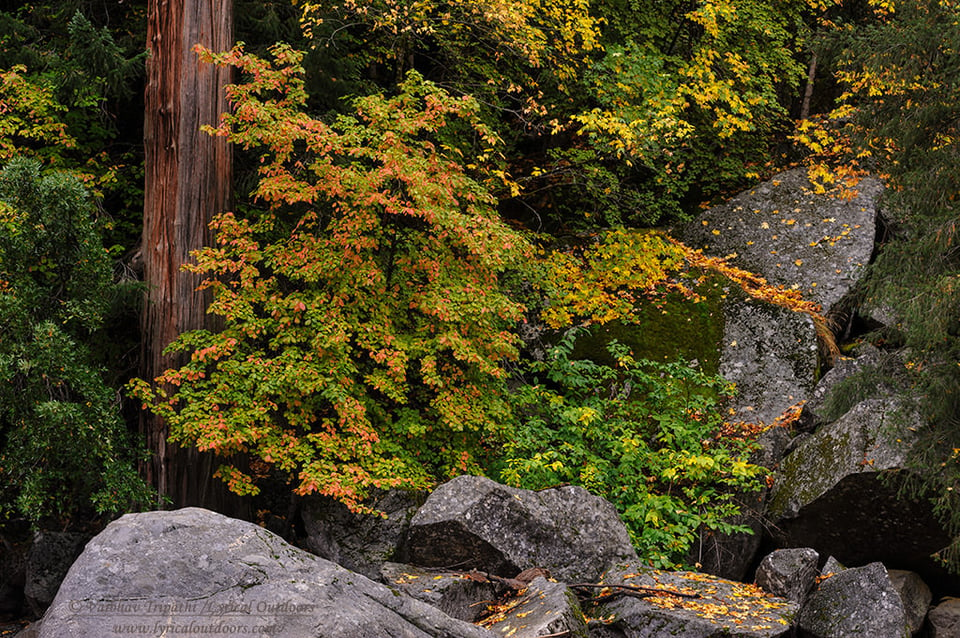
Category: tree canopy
[419,185]
[365,324]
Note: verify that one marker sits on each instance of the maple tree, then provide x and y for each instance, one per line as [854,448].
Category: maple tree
[611,278]
[682,102]
[707,75]
[363,324]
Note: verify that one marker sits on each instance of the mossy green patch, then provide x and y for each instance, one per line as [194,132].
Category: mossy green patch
[674,328]
[808,472]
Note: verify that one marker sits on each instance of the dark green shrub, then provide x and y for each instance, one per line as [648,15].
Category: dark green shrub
[63,447]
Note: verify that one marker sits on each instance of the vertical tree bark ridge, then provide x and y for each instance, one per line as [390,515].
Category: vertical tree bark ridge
[188,179]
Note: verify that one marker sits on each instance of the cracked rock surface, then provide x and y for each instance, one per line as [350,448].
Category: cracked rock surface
[196,572]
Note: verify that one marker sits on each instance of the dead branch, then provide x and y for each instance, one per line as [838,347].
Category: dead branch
[635,591]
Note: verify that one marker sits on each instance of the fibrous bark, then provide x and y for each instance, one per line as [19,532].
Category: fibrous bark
[188,176]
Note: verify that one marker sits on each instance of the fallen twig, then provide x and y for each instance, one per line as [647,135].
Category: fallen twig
[629,590]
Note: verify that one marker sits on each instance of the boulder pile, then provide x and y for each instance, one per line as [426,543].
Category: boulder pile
[476,571]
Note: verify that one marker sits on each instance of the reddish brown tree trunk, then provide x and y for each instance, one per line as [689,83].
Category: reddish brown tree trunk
[188,176]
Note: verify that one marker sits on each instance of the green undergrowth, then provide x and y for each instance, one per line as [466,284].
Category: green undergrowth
[649,436]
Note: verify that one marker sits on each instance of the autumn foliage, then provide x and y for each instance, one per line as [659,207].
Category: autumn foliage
[364,324]
[613,277]
[29,115]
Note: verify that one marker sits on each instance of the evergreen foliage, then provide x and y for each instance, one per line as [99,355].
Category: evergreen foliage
[916,52]
[63,444]
[900,114]
[89,82]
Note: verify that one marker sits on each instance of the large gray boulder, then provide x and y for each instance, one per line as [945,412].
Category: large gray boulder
[915,595]
[819,243]
[193,571]
[48,560]
[786,232]
[360,542]
[872,437]
[789,573]
[472,522]
[829,494]
[711,607]
[853,603]
[770,353]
